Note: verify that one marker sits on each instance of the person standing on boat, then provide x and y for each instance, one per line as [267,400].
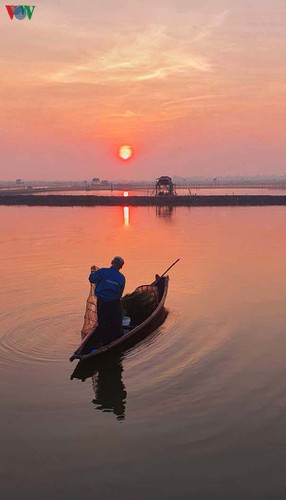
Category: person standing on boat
[109,285]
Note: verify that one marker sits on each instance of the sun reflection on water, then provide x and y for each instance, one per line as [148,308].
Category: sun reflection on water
[126,216]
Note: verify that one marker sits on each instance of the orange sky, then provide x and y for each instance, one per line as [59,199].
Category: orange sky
[196,87]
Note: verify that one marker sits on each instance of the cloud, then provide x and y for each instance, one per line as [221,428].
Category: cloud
[215,23]
[125,114]
[134,57]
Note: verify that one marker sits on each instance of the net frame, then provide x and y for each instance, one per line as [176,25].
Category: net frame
[90,315]
[151,289]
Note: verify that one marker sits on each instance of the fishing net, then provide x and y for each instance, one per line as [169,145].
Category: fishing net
[90,316]
[140,304]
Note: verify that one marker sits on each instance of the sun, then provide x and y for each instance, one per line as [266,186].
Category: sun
[125,152]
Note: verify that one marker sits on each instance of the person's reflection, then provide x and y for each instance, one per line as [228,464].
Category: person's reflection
[110,393]
[109,389]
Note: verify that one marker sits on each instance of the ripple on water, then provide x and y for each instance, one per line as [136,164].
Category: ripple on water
[176,347]
[179,362]
[40,340]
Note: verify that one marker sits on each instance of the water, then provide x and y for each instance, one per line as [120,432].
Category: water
[179,190]
[195,411]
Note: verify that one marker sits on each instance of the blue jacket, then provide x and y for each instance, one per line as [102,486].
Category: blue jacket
[109,283]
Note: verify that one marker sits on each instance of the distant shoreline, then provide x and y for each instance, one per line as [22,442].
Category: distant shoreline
[143,201]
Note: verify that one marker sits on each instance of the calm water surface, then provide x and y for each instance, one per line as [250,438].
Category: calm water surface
[196,411]
[179,190]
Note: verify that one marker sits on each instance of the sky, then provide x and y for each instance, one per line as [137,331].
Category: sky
[194,87]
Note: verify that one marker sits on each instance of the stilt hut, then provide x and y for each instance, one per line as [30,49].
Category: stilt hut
[165,186]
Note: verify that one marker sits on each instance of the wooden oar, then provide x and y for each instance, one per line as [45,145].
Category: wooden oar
[169,268]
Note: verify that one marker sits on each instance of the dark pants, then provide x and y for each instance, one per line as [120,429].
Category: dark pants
[109,320]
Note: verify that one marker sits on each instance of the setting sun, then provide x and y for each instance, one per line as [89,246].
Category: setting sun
[125,152]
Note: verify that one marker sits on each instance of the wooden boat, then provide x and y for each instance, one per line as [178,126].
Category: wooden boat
[131,334]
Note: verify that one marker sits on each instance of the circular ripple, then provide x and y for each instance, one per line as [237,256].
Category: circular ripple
[40,340]
[179,361]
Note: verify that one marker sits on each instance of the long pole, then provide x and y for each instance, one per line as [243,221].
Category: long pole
[170,267]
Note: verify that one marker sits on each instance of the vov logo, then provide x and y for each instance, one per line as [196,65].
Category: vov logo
[20,11]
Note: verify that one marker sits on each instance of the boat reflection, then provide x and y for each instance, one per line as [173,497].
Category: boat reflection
[109,389]
[164,212]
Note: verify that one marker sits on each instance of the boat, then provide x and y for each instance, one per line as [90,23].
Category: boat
[131,334]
